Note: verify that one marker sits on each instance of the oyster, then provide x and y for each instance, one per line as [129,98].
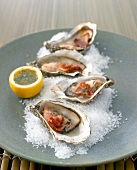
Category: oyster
[63,62]
[64,121]
[83,89]
[80,38]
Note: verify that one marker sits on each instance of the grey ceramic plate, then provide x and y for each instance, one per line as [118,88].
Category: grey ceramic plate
[122,142]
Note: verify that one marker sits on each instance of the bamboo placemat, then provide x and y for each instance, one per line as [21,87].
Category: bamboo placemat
[12,162]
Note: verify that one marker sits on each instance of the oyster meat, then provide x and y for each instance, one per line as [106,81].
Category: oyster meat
[80,38]
[63,120]
[63,62]
[82,89]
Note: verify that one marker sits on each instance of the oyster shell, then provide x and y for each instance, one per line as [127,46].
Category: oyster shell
[63,62]
[82,89]
[80,38]
[64,121]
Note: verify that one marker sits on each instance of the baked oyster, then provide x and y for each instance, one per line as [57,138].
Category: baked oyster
[63,120]
[63,62]
[80,38]
[82,89]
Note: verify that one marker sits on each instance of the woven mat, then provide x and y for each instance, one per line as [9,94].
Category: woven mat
[12,162]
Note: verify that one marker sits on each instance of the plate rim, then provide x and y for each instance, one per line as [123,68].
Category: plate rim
[57,163]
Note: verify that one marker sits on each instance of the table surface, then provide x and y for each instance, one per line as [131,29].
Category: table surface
[22,17]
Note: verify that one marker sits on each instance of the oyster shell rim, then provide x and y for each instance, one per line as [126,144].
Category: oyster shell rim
[72,54]
[60,92]
[85,122]
[70,34]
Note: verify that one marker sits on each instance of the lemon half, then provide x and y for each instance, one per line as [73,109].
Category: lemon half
[30,89]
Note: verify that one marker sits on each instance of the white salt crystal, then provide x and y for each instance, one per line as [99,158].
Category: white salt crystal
[42,52]
[102,118]
[58,36]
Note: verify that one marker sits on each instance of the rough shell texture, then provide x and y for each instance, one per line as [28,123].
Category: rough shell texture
[80,38]
[68,56]
[76,136]
[61,87]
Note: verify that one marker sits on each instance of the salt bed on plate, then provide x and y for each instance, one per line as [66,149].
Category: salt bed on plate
[102,119]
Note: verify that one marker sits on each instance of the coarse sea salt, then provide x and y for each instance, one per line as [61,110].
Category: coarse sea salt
[102,118]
